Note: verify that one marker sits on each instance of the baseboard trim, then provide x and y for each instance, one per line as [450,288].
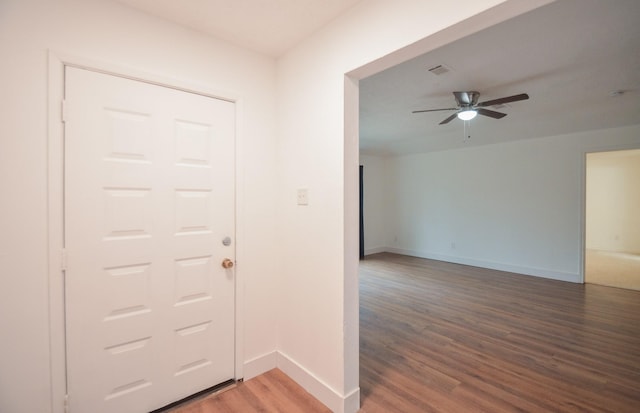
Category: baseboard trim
[349,403]
[319,389]
[535,272]
[260,365]
[377,250]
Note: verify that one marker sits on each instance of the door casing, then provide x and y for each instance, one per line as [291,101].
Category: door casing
[55,202]
[583,198]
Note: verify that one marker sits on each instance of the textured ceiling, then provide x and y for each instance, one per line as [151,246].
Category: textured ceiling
[568,56]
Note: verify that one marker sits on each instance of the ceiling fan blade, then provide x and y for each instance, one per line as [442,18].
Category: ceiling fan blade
[433,110]
[508,99]
[449,119]
[466,98]
[491,113]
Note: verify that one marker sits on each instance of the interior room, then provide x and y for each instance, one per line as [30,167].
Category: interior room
[89,82]
[469,225]
[502,193]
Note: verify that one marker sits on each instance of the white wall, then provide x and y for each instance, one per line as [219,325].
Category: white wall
[318,150]
[106,31]
[613,201]
[300,269]
[376,203]
[515,206]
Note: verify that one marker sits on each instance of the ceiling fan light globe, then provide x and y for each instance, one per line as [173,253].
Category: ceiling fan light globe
[467,114]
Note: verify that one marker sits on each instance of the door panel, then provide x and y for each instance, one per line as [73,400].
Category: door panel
[149,196]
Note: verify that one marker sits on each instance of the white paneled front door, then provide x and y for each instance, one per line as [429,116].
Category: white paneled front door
[149,198]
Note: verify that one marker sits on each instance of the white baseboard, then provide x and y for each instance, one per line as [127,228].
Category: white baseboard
[536,272]
[349,403]
[369,251]
[260,365]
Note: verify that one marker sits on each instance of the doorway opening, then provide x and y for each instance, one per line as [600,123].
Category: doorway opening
[612,202]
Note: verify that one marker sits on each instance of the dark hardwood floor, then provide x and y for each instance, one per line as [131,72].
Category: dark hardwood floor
[441,337]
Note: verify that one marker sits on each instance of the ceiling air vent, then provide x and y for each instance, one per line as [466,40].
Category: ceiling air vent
[439,70]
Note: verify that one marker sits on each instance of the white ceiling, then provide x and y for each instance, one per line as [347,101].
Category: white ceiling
[568,56]
[270,27]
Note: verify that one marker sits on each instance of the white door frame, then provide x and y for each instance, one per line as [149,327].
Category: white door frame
[583,197]
[55,206]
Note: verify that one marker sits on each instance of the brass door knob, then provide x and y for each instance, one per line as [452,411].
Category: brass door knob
[227,263]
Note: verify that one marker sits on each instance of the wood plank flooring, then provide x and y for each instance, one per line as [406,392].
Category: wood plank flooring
[441,337]
[272,392]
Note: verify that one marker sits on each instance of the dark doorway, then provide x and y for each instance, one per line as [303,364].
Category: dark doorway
[361,214]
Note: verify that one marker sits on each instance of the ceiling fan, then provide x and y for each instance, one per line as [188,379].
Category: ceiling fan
[468,106]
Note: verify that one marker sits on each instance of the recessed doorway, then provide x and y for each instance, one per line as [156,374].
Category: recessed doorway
[612,239]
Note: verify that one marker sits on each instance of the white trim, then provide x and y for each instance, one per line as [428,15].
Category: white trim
[351,401]
[132,73]
[377,250]
[316,387]
[518,269]
[239,244]
[336,402]
[583,197]
[55,231]
[261,364]
[55,197]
